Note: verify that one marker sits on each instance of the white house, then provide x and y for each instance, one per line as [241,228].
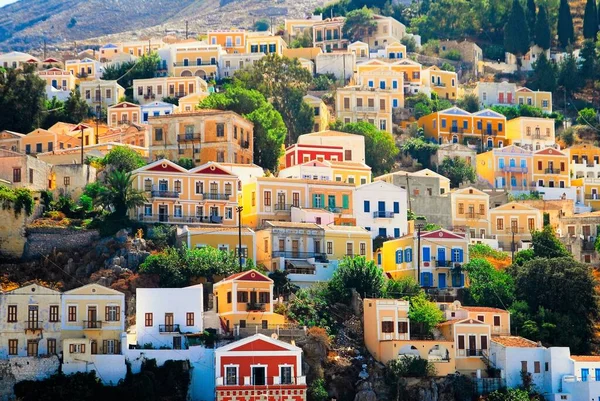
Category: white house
[381,208]
[165,315]
[16,59]
[340,64]
[156,109]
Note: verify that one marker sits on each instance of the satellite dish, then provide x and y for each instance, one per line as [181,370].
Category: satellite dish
[274,336]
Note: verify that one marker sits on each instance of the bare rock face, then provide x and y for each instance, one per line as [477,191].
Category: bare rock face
[365,393]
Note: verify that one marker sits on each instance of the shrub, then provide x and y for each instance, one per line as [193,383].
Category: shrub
[451,54]
[317,391]
[493,52]
[86,203]
[410,43]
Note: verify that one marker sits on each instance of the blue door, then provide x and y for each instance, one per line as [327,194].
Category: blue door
[381,206]
[597,372]
[584,374]
[441,280]
[501,163]
[441,256]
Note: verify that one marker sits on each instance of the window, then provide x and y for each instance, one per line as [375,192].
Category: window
[481,318]
[147,185]
[242,296]
[148,319]
[500,224]
[189,319]
[537,367]
[72,313]
[387,327]
[329,247]
[53,315]
[220,130]
[523,366]
[531,224]
[32,347]
[461,342]
[264,297]
[363,249]
[402,327]
[13,347]
[158,134]
[285,376]
[67,181]
[228,297]
[16,175]
[12,314]
[267,198]
[177,211]
[51,345]
[111,313]
[367,206]
[177,186]
[231,376]
[461,208]
[229,213]
[496,321]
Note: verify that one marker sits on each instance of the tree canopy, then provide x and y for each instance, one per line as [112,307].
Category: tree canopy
[590,20]
[22,94]
[457,170]
[359,23]
[566,32]
[543,36]
[488,286]
[516,31]
[356,273]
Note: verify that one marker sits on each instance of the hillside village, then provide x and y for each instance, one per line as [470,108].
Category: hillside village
[331,208]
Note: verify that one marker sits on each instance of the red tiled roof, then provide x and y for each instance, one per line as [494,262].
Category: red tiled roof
[586,358]
[483,309]
[515,341]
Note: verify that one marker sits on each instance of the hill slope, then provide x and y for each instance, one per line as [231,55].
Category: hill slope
[27,23]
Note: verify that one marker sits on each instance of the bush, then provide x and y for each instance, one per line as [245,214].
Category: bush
[410,43]
[355,273]
[86,203]
[451,54]
[317,391]
[493,52]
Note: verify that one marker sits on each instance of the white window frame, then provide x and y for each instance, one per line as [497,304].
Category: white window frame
[287,365]
[237,375]
[258,366]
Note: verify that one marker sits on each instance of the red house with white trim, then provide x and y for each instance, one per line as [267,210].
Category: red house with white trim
[259,368]
[299,153]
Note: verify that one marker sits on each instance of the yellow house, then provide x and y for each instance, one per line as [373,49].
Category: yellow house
[206,194]
[84,69]
[470,212]
[189,103]
[395,51]
[11,140]
[99,94]
[388,30]
[347,241]
[531,131]
[409,69]
[384,78]
[130,134]
[264,42]
[510,167]
[540,99]
[233,41]
[41,140]
[551,169]
[140,47]
[308,53]
[442,255]
[58,78]
[321,112]
[327,34]
[512,223]
[324,170]
[584,168]
[203,136]
[225,239]
[271,199]
[94,313]
[360,49]
[196,59]
[151,89]
[372,105]
[30,323]
[246,299]
[455,125]
[387,336]
[123,113]
[443,83]
[295,27]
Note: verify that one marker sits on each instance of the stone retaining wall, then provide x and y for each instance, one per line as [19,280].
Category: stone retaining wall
[43,241]
[17,369]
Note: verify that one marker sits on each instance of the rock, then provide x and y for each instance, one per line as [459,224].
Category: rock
[139,244]
[121,236]
[365,393]
[71,267]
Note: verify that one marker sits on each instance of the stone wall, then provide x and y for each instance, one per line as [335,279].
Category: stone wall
[12,231]
[43,241]
[17,369]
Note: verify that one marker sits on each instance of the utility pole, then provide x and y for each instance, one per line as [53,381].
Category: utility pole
[81,128]
[419,224]
[186,29]
[45,49]
[99,113]
[239,211]
[512,244]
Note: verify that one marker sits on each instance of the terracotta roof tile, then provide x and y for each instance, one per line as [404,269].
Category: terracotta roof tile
[586,358]
[515,341]
[483,309]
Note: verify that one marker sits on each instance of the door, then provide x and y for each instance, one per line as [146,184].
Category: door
[168,322]
[32,317]
[92,315]
[258,375]
[295,248]
[472,351]
[177,342]
[441,256]
[584,374]
[442,280]
[162,213]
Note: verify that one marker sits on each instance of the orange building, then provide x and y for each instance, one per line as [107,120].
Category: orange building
[123,113]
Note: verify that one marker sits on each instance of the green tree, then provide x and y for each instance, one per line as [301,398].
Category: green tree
[457,170]
[546,244]
[124,159]
[22,94]
[282,284]
[359,23]
[303,40]
[75,108]
[317,391]
[469,102]
[284,82]
[566,32]
[380,148]
[355,273]
[311,307]
[542,29]
[118,195]
[589,60]
[544,75]
[144,67]
[488,286]
[420,150]
[511,394]
[323,82]
[568,75]
[17,199]
[425,312]
[516,32]
[590,20]
[531,16]
[186,163]
[262,25]
[401,288]
[447,67]
[587,116]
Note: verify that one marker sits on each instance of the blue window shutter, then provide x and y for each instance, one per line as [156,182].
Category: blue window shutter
[396,233]
[399,256]
[462,279]
[441,254]
[408,255]
[460,255]
[426,254]
[383,232]
[378,258]
[367,206]
[345,201]
[500,127]
[396,207]
[368,228]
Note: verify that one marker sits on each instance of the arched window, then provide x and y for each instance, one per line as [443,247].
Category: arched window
[399,256]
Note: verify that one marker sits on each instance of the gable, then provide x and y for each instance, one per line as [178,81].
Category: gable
[455,111]
[33,289]
[524,89]
[550,152]
[94,289]
[514,206]
[259,345]
[488,113]
[512,149]
[162,166]
[252,276]
[441,234]
[211,169]
[124,105]
[465,191]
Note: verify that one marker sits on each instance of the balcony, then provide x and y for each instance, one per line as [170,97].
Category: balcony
[148,96]
[273,392]
[587,246]
[443,263]
[331,208]
[488,132]
[592,197]
[281,207]
[470,352]
[514,169]
[383,214]
[33,326]
[245,144]
[168,328]
[361,109]
[300,255]
[255,307]
[215,196]
[515,230]
[196,64]
[196,136]
[179,94]
[439,84]
[164,194]
[180,219]
[92,325]
[552,171]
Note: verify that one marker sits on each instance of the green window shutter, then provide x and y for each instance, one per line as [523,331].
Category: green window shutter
[315,200]
[345,201]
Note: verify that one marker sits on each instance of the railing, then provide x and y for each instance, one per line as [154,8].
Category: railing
[282,207]
[332,209]
[300,255]
[179,94]
[456,130]
[182,219]
[33,325]
[189,137]
[488,132]
[515,230]
[92,324]
[215,196]
[168,328]
[592,196]
[124,121]
[149,96]
[164,194]
[440,84]
[588,245]
[514,169]
[301,270]
[246,144]
[255,306]
[552,171]
[383,214]
[443,263]
[471,352]
[362,109]
[196,64]
[256,394]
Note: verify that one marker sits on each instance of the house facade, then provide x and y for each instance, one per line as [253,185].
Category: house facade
[380,207]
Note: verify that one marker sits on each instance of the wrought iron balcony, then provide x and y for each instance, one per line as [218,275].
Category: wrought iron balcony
[215,196]
[180,219]
[383,214]
[196,136]
[443,263]
[245,144]
[195,64]
[456,130]
[282,207]
[149,96]
[552,171]
[318,256]
[164,194]
[92,324]
[255,306]
[168,328]
[515,230]
[473,352]
[33,325]
[514,169]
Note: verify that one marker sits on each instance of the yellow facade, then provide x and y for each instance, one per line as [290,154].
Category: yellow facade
[271,199]
[509,167]
[512,224]
[351,172]
[321,112]
[207,194]
[327,34]
[442,255]
[356,103]
[551,169]
[155,89]
[233,41]
[196,59]
[470,212]
[540,99]
[261,42]
[409,69]
[189,103]
[308,53]
[471,339]
[226,238]
[347,241]
[395,51]
[326,170]
[140,47]
[203,136]
[85,69]
[40,140]
[10,140]
[536,132]
[584,170]
[443,83]
[123,113]
[455,125]
[246,299]
[58,78]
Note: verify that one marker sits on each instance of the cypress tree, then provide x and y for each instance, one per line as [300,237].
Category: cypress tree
[590,20]
[516,32]
[566,32]
[544,74]
[542,29]
[531,11]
